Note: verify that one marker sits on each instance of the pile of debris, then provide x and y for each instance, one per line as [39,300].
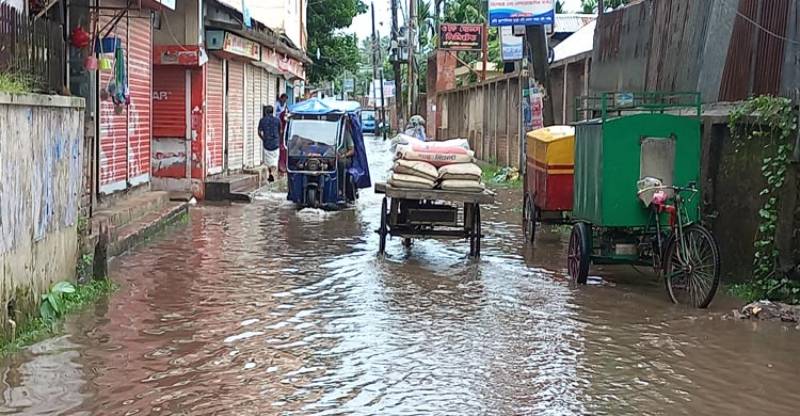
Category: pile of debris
[766,310]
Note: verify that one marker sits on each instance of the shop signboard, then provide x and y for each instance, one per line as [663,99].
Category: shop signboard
[521,12]
[461,36]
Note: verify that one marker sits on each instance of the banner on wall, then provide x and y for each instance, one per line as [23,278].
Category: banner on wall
[511,49]
[521,12]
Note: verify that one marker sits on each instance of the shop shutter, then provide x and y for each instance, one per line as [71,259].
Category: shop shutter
[215,135]
[273,90]
[113,128]
[256,105]
[235,115]
[248,115]
[140,70]
[169,102]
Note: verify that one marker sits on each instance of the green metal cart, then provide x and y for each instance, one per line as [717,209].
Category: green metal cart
[636,194]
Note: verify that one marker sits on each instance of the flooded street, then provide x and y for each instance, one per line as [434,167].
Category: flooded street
[263,310]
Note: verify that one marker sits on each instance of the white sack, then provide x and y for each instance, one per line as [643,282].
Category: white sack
[461,185]
[468,171]
[416,167]
[400,180]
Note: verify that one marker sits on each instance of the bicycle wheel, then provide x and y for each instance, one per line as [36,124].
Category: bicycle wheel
[383,230]
[691,269]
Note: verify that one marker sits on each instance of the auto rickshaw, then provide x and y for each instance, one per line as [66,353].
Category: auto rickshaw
[326,160]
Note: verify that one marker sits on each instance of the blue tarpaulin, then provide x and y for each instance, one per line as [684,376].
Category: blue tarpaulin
[315,106]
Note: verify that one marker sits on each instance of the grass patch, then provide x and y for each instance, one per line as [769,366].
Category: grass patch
[14,83]
[786,292]
[40,327]
[501,177]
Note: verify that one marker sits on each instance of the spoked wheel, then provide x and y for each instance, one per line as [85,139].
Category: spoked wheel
[580,249]
[529,217]
[691,267]
[384,229]
[475,239]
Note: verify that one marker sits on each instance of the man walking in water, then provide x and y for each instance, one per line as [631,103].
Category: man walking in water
[269,128]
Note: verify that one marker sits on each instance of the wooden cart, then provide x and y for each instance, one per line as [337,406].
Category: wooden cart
[431,213]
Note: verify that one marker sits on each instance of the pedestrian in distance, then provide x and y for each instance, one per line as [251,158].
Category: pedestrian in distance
[280,104]
[269,128]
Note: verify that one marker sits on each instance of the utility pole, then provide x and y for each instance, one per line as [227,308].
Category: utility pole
[412,39]
[536,37]
[601,7]
[376,60]
[398,82]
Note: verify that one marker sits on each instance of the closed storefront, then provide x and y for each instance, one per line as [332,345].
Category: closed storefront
[234,110]
[249,131]
[125,130]
[215,137]
[170,109]
[255,106]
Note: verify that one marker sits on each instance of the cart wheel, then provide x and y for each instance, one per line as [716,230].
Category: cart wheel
[383,230]
[529,218]
[580,248]
[691,270]
[475,240]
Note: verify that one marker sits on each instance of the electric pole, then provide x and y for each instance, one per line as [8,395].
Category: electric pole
[376,60]
[412,40]
[536,37]
[398,82]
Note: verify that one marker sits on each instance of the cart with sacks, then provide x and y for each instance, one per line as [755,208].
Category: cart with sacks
[434,191]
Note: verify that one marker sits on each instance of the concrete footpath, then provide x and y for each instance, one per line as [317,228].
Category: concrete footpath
[130,222]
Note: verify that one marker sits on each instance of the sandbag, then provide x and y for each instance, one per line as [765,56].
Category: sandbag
[466,171]
[435,156]
[416,167]
[454,142]
[402,139]
[461,185]
[401,180]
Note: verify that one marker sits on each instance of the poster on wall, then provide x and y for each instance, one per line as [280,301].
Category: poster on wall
[537,108]
[511,49]
[521,12]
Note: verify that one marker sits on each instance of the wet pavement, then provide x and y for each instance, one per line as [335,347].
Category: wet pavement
[263,310]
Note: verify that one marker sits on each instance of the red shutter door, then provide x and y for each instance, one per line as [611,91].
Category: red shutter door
[169,122]
[215,136]
[235,112]
[113,128]
[140,71]
[169,102]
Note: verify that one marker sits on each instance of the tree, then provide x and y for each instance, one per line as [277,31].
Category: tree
[336,50]
[590,6]
[559,6]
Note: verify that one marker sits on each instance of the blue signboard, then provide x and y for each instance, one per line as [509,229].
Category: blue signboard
[521,12]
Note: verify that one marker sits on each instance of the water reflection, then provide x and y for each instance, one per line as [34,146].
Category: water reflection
[260,309]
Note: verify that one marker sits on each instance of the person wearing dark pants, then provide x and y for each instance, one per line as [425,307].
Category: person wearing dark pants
[269,128]
[345,152]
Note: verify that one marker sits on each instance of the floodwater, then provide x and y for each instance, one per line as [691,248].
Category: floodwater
[263,310]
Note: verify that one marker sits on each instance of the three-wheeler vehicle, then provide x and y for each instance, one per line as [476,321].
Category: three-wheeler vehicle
[548,179]
[327,161]
[431,213]
[636,198]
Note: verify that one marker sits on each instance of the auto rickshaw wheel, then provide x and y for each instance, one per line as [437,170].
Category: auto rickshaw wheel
[529,218]
[383,230]
[407,242]
[311,197]
[578,256]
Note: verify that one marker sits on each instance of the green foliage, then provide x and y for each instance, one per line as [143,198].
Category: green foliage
[14,83]
[62,299]
[501,176]
[771,122]
[338,52]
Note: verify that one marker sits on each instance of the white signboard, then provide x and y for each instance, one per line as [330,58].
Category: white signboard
[521,12]
[512,45]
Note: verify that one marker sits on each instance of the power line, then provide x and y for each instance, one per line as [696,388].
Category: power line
[765,30]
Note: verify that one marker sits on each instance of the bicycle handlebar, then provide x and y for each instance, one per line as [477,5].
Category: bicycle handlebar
[678,189]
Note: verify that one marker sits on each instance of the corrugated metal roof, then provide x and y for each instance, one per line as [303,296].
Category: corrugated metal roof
[572,22]
[580,42]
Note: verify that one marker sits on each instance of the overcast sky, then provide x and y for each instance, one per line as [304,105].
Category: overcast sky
[362,24]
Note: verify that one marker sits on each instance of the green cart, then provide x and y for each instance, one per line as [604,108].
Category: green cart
[636,195]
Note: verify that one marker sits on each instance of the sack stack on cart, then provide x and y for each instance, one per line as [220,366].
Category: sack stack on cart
[448,165]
